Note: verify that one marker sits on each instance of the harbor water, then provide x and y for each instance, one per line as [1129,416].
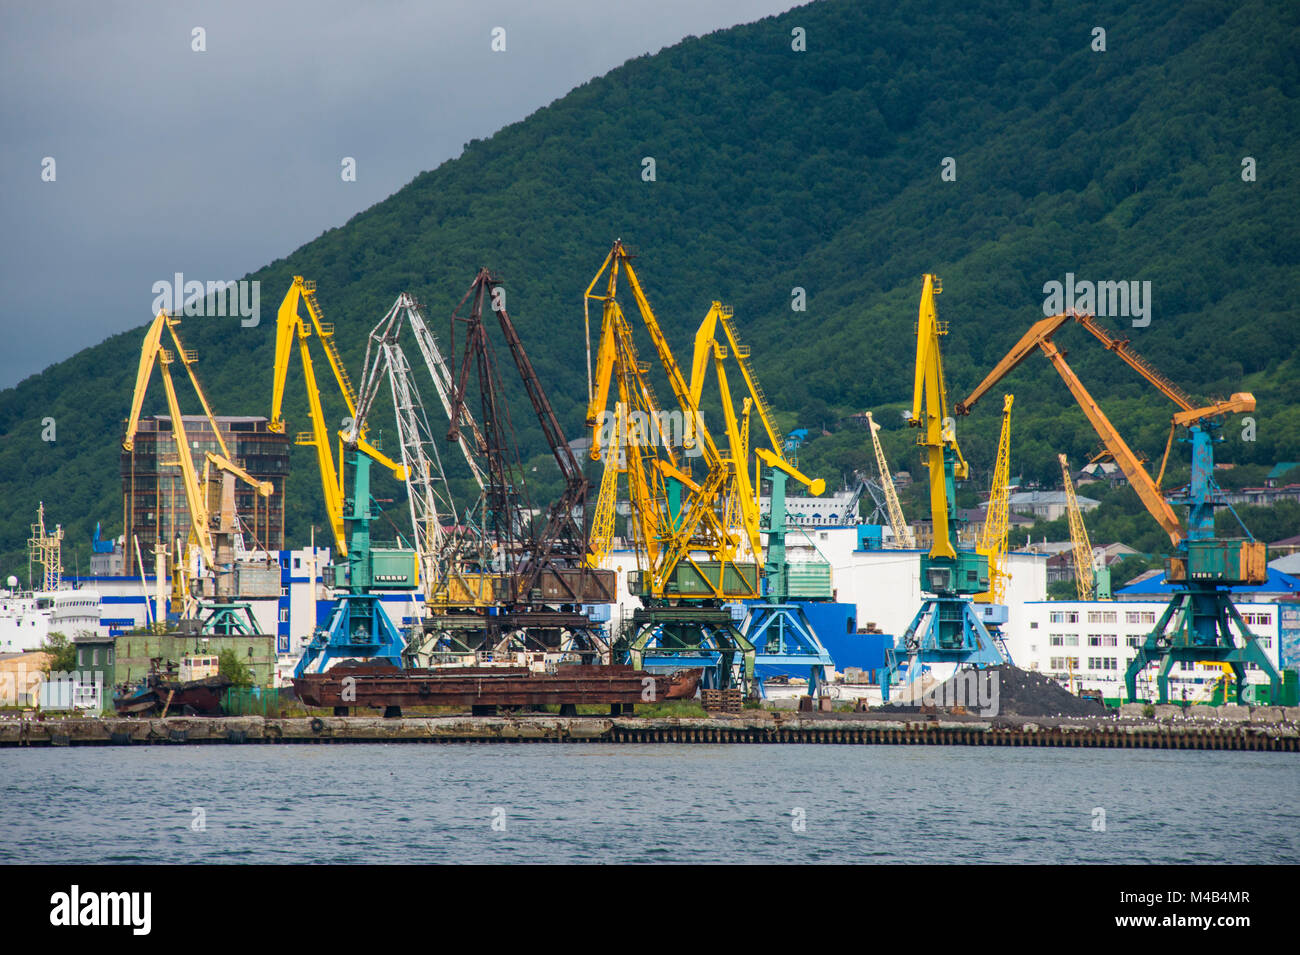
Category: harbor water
[392,803]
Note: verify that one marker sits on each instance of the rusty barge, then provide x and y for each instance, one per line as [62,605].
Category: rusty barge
[486,689]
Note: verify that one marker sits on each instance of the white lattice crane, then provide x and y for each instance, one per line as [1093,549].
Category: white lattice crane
[427,494]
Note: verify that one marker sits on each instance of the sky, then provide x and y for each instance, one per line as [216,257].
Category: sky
[215,162]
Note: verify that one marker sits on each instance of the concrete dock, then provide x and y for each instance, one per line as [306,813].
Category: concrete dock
[1234,728]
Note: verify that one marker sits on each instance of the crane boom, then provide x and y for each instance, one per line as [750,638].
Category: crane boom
[677,515]
[421,467]
[1039,336]
[290,326]
[468,436]
[930,414]
[894,508]
[993,541]
[1082,546]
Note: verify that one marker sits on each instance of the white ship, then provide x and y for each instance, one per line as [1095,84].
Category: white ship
[28,617]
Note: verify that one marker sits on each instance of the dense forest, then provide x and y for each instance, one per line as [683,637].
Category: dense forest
[996,147]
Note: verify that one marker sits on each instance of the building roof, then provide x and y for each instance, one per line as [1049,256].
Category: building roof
[1047,497]
[1277,583]
[1282,467]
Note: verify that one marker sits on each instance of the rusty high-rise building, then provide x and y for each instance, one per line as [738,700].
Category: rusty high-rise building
[153,490]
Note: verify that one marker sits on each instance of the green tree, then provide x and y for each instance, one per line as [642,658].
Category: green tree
[62,651]
[234,669]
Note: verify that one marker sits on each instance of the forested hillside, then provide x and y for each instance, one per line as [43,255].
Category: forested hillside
[819,169]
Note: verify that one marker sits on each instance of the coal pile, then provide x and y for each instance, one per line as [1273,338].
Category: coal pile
[1029,693]
[1018,693]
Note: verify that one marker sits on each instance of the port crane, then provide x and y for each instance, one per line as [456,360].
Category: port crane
[358,626]
[428,497]
[897,523]
[213,526]
[992,604]
[1091,579]
[993,538]
[536,575]
[778,628]
[690,556]
[291,327]
[1200,619]
[947,628]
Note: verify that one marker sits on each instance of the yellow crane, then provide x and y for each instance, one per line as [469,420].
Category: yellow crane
[993,540]
[1082,546]
[197,496]
[947,628]
[740,489]
[290,326]
[689,554]
[903,536]
[677,513]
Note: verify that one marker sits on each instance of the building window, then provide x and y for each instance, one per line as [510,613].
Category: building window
[1101,616]
[1133,641]
[1064,616]
[284,614]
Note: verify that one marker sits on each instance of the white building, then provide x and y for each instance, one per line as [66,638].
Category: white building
[1090,643]
[884,585]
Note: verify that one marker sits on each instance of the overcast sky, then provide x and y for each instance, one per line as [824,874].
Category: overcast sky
[215,163]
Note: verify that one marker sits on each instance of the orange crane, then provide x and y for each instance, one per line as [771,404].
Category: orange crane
[1200,619]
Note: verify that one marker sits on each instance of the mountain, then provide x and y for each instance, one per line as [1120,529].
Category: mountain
[819,169]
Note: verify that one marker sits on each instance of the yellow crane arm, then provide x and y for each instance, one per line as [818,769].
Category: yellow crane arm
[194,498]
[148,354]
[396,467]
[897,523]
[993,542]
[693,423]
[739,458]
[1082,546]
[930,414]
[815,486]
[264,488]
